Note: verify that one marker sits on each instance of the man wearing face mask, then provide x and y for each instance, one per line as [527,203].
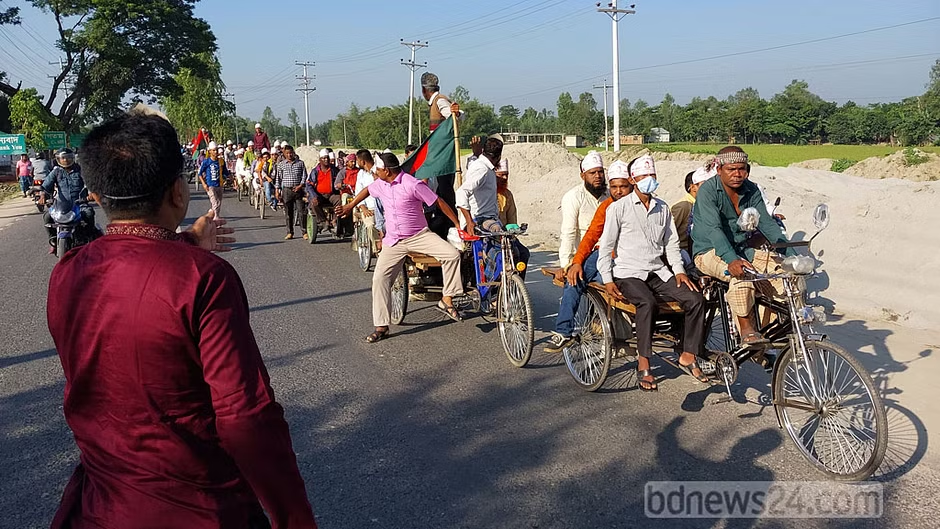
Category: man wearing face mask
[638,231]
[578,206]
[166,392]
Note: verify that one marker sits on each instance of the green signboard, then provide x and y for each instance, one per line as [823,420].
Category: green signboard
[76,139]
[55,140]
[12,144]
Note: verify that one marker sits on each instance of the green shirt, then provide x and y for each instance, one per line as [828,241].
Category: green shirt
[715,221]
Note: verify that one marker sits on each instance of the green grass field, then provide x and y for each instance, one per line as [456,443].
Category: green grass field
[779,155]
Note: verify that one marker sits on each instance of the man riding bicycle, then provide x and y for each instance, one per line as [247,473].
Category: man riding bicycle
[724,250]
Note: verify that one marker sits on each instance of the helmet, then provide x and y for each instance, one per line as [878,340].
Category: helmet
[66,157]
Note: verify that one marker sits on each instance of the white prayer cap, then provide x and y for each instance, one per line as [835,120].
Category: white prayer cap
[700,175]
[387,151]
[284,143]
[212,145]
[257,125]
[332,155]
[592,160]
[229,142]
[239,152]
[643,166]
[503,166]
[616,170]
[264,151]
[324,152]
[250,143]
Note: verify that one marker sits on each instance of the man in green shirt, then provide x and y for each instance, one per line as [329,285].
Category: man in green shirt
[723,249]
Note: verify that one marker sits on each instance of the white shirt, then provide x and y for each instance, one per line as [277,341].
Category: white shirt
[241,170]
[478,191]
[577,210]
[638,238]
[443,105]
[363,179]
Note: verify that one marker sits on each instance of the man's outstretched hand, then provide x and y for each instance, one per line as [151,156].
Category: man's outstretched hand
[210,233]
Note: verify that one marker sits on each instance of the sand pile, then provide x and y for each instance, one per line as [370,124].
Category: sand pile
[818,164]
[878,260]
[894,166]
[309,154]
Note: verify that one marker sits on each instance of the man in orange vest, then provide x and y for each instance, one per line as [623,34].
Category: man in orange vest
[441,108]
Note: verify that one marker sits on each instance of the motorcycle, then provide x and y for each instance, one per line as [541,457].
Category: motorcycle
[71,229]
[37,193]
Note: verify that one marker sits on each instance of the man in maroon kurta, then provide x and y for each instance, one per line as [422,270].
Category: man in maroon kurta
[166,391]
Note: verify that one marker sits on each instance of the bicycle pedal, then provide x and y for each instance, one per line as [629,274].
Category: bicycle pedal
[708,367]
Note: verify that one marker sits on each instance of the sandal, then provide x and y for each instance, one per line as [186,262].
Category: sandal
[754,338]
[448,310]
[377,335]
[692,367]
[641,380]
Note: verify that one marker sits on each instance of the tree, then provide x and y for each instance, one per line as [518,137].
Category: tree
[199,102]
[294,121]
[10,15]
[508,117]
[459,95]
[114,48]
[30,118]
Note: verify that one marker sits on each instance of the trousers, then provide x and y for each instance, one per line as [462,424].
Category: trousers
[388,266]
[644,295]
[741,294]
[294,204]
[571,296]
[215,200]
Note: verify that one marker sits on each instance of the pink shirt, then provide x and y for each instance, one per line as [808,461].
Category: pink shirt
[403,202]
[24,168]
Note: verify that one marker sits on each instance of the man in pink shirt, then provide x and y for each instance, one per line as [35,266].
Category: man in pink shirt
[406,230]
[24,170]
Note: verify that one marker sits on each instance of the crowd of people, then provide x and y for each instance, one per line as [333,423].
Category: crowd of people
[185,428]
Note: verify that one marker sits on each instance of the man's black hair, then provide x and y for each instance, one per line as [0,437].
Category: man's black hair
[284,148]
[688,181]
[493,148]
[130,161]
[390,161]
[365,155]
[410,149]
[630,165]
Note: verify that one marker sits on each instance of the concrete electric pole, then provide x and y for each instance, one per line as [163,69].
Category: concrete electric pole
[615,15]
[305,81]
[234,114]
[605,86]
[413,66]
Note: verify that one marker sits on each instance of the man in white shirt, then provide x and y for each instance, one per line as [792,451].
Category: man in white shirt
[476,198]
[638,232]
[578,206]
[242,171]
[371,207]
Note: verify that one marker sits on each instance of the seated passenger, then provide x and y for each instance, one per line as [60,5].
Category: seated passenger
[583,269]
[639,230]
[507,210]
[682,211]
[321,189]
[720,246]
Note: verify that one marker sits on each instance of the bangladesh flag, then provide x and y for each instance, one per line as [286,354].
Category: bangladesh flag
[435,157]
[198,141]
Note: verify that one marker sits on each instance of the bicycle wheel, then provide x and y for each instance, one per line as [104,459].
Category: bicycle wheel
[588,358]
[840,426]
[516,329]
[400,296]
[365,247]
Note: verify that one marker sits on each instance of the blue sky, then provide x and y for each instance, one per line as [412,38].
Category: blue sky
[525,52]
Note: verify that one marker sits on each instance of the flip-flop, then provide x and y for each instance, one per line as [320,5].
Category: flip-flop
[690,370]
[448,310]
[377,336]
[753,338]
[650,384]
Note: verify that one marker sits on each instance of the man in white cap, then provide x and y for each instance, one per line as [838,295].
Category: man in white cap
[583,268]
[261,140]
[242,171]
[250,155]
[579,204]
[211,174]
[321,190]
[638,233]
[682,210]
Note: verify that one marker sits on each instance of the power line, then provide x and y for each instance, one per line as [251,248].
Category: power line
[26,55]
[305,82]
[412,67]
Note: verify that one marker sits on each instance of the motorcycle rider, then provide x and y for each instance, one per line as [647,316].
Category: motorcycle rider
[67,176]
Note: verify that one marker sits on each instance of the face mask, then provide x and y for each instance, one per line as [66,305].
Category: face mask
[648,185]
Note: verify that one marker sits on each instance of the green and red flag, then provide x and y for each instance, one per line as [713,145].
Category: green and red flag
[200,139]
[436,156]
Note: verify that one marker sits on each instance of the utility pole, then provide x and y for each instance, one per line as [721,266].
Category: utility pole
[234,114]
[68,79]
[605,86]
[616,15]
[305,81]
[413,66]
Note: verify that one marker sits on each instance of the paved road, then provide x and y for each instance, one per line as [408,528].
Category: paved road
[433,427]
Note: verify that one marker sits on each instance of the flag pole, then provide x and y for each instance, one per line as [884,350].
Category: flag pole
[458,173]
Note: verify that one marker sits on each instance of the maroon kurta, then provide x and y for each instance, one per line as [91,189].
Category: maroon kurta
[166,392]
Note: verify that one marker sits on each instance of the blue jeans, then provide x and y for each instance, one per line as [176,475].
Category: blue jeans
[571,296]
[269,192]
[25,183]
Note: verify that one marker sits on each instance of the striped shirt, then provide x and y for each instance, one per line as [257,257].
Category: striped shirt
[290,174]
[635,240]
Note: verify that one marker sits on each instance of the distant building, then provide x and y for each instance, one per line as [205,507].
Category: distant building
[631,139]
[536,137]
[658,135]
[574,141]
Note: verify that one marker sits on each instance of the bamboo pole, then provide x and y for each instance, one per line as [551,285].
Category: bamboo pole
[458,173]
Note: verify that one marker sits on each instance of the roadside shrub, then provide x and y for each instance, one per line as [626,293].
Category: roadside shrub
[841,165]
[914,157]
